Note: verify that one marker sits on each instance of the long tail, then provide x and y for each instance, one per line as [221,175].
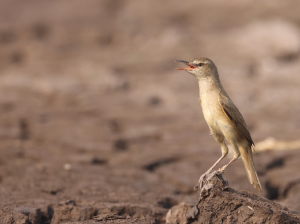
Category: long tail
[246,154]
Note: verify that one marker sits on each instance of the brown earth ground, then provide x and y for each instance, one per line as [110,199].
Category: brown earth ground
[94,119]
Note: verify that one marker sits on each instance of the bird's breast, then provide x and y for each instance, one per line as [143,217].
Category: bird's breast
[215,117]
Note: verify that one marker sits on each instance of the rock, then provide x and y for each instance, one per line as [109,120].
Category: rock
[218,203]
[11,216]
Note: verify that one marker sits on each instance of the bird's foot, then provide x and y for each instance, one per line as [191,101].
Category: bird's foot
[201,181]
[223,169]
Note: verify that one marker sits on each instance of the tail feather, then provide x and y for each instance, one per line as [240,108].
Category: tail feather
[247,157]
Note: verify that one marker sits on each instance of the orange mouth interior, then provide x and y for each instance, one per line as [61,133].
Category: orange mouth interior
[191,67]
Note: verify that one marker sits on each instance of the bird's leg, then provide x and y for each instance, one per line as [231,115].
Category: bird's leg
[223,169]
[203,176]
[221,140]
[216,163]
[236,156]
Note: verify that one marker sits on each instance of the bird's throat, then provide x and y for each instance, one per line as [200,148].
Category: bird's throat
[208,85]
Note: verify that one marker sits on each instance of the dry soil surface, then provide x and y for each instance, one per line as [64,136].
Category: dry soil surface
[94,120]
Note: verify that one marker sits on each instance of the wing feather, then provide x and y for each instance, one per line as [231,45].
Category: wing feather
[235,116]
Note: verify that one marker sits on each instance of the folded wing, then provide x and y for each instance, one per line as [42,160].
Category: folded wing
[235,116]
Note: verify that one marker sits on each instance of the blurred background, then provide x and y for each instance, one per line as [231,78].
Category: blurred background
[92,110]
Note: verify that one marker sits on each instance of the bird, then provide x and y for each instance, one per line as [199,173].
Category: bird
[223,118]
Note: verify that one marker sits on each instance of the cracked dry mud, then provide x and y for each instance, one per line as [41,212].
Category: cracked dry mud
[95,121]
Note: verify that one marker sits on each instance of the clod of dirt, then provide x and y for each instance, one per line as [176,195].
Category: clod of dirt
[68,202]
[279,162]
[24,129]
[108,217]
[177,214]
[154,101]
[114,125]
[272,191]
[220,204]
[11,216]
[167,202]
[97,161]
[290,57]
[68,211]
[154,165]
[34,214]
[40,31]
[121,144]
[17,57]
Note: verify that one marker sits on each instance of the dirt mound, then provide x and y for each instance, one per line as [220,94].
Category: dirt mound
[220,204]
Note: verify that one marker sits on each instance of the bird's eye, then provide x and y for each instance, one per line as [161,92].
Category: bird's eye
[200,64]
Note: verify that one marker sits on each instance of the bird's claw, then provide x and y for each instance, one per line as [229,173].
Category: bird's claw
[196,188]
[223,169]
[200,182]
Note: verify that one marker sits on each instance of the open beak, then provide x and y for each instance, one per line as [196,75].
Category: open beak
[191,67]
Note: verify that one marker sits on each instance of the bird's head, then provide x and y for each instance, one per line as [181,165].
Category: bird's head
[200,67]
